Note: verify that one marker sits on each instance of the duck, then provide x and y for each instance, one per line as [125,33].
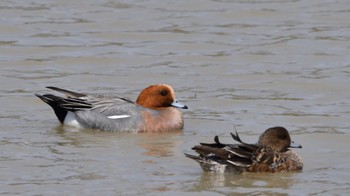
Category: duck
[155,110]
[270,154]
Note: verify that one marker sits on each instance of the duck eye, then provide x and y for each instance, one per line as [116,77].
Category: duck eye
[163,92]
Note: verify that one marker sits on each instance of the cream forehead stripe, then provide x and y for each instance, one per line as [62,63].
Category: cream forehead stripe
[118,116]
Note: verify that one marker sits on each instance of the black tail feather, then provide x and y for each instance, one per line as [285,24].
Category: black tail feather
[192,156]
[54,102]
[217,143]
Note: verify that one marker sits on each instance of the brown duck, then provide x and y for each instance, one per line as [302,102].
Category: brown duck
[270,154]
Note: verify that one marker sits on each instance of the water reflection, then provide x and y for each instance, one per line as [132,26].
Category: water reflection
[152,144]
[159,144]
[246,182]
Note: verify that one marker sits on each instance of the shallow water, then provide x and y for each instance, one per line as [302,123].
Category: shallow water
[245,64]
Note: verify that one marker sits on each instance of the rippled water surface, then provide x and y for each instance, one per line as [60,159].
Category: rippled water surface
[246,64]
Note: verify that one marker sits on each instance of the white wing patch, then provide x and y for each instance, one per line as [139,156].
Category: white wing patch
[118,116]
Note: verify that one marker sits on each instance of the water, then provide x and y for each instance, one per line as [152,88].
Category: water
[244,64]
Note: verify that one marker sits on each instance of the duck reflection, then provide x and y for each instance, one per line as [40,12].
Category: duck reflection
[246,180]
[159,144]
[152,144]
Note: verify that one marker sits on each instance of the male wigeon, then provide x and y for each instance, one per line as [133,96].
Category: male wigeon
[270,154]
[155,110]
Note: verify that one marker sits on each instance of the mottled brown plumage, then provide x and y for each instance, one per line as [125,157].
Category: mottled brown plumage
[270,154]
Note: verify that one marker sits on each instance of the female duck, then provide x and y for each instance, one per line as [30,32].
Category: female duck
[270,154]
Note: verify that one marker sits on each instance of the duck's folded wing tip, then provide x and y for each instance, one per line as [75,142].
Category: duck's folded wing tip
[68,93]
